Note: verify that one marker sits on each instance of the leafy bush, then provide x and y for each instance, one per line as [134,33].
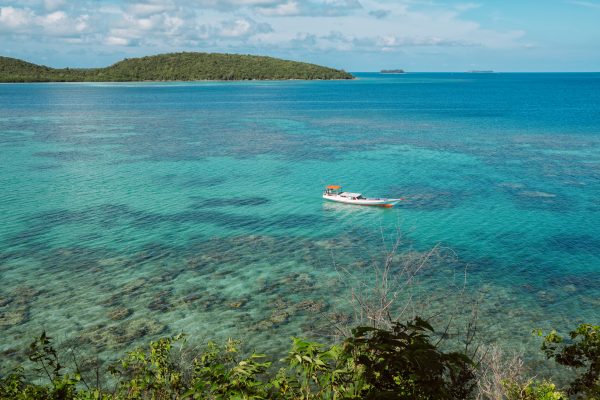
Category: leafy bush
[581,350]
[404,364]
[217,373]
[150,373]
[62,386]
[533,390]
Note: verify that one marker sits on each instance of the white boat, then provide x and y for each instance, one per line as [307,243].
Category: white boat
[335,193]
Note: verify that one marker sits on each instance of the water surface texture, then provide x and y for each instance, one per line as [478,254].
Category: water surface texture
[131,211]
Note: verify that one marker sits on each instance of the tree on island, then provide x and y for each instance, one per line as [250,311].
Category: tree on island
[173,67]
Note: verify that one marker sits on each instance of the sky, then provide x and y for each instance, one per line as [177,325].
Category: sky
[355,35]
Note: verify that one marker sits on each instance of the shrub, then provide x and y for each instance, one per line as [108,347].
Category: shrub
[152,373]
[217,373]
[580,351]
[404,363]
[61,386]
[532,390]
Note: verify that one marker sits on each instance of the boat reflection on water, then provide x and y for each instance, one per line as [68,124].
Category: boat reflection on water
[343,208]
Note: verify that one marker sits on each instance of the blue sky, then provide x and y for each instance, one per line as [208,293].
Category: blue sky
[356,35]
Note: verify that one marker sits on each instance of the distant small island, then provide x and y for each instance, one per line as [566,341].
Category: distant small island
[173,67]
[481,71]
[392,71]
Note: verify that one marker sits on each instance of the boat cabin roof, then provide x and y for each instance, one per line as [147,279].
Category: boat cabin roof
[350,194]
[334,187]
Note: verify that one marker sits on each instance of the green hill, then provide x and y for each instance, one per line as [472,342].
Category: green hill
[173,67]
[13,70]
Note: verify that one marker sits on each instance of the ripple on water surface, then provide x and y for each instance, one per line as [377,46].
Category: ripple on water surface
[135,211]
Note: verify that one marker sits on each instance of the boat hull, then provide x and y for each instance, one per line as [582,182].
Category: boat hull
[387,203]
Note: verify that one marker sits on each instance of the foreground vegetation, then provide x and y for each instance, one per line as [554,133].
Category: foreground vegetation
[172,67]
[401,363]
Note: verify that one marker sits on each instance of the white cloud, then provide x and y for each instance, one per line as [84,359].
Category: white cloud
[263,26]
[117,41]
[179,28]
[339,41]
[14,19]
[52,5]
[466,6]
[286,9]
[331,8]
[147,9]
[403,25]
[235,4]
[242,28]
[54,24]
[58,23]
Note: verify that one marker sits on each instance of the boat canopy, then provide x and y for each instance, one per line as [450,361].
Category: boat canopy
[349,194]
[334,187]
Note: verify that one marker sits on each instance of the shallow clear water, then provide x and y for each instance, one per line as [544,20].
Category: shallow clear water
[131,211]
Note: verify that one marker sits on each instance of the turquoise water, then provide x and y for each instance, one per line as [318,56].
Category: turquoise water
[131,211]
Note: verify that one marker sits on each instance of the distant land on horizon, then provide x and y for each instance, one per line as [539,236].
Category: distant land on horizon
[392,71]
[186,66]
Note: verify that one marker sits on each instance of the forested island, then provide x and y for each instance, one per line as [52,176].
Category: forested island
[173,67]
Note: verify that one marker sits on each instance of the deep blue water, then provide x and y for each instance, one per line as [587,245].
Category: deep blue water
[131,211]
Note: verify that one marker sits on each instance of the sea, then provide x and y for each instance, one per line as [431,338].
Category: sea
[133,211]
